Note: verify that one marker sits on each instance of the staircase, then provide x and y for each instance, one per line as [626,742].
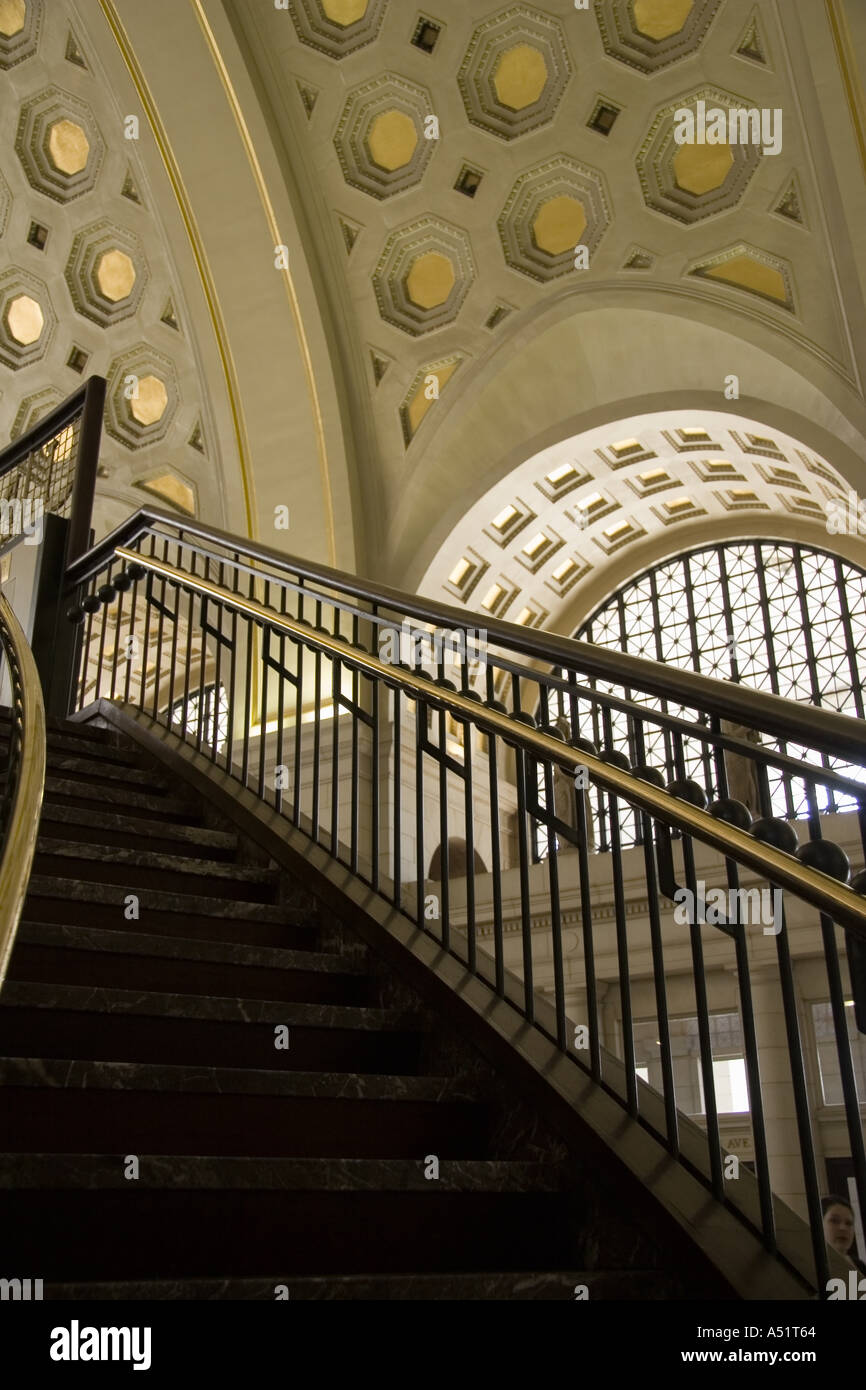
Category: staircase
[159,1144]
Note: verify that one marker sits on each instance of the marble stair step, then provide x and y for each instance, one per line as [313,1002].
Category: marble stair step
[60,1073]
[72,791]
[79,1022]
[128,831]
[79,1217]
[75,902]
[73,728]
[141,868]
[61,743]
[99,772]
[50,1106]
[610,1285]
[52,953]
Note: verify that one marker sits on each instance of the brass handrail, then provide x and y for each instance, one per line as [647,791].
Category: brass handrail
[827,894]
[19,841]
[812,726]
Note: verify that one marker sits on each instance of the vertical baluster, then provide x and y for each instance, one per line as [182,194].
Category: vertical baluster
[160,627]
[299,705]
[374,784]
[495,846]
[397,784]
[355,807]
[250,629]
[336,686]
[555,915]
[420,723]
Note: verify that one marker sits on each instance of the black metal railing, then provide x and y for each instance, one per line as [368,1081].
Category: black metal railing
[22,773]
[52,468]
[430,779]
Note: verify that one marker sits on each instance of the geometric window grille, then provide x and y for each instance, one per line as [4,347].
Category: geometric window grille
[784,618]
[47,474]
[214,707]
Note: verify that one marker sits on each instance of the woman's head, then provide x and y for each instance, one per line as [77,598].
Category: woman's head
[838,1223]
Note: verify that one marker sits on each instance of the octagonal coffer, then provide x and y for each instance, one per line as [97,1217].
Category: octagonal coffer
[551,210]
[59,144]
[142,397]
[381,140]
[515,71]
[27,319]
[20,24]
[423,276]
[106,273]
[337,27]
[698,178]
[652,34]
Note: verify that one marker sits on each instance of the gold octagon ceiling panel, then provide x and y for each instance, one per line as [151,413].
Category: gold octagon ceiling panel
[423,275]
[141,396]
[549,211]
[106,273]
[27,319]
[694,181]
[337,27]
[20,22]
[514,73]
[380,140]
[59,144]
[651,34]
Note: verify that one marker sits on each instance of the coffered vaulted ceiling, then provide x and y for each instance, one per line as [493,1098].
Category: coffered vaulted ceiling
[553,128]
[431,170]
[88,282]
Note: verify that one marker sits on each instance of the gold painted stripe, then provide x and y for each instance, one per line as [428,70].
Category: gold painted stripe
[199,255]
[288,282]
[850,77]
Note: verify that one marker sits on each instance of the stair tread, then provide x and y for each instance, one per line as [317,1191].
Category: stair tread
[120,795]
[98,1172]
[483,1284]
[202,1007]
[61,742]
[56,1073]
[148,859]
[84,890]
[77,728]
[60,765]
[115,820]
[183,948]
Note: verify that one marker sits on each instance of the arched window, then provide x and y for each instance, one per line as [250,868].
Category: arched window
[784,618]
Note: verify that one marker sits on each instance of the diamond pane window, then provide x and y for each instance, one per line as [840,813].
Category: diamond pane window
[787,619]
[215,709]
